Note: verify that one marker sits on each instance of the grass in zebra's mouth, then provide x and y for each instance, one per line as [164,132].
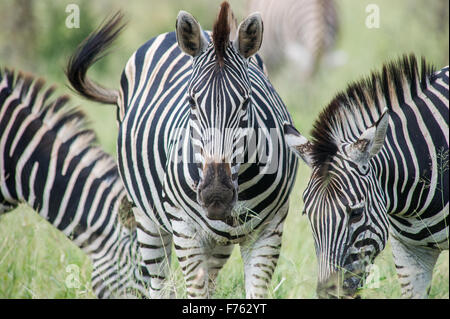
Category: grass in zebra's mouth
[243,213]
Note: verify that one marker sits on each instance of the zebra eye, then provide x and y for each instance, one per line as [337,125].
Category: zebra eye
[245,104]
[355,214]
[192,103]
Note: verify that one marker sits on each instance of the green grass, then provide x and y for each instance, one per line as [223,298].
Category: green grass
[34,256]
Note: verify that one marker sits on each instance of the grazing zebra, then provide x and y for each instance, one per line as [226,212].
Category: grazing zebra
[201,149]
[379,159]
[301,31]
[48,160]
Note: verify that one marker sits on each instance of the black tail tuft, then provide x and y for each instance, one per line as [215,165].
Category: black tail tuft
[88,52]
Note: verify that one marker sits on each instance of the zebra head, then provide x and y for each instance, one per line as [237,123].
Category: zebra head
[219,95]
[345,206]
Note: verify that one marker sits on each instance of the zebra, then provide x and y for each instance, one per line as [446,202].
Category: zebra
[301,31]
[379,159]
[48,160]
[190,105]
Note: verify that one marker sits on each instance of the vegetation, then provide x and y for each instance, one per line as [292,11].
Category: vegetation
[34,256]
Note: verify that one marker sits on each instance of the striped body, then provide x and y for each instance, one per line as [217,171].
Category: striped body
[157,166]
[370,180]
[301,31]
[416,187]
[48,160]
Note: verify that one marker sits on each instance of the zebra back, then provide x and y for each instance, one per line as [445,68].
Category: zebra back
[49,161]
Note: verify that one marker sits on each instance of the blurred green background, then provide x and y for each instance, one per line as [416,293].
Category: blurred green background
[34,38]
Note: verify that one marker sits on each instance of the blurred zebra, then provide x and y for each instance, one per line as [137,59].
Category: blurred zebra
[298,31]
[379,159]
[186,106]
[48,160]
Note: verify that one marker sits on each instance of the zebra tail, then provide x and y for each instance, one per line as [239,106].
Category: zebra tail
[90,51]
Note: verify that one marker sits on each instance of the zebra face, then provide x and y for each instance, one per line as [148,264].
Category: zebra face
[219,122]
[344,210]
[219,96]
[345,205]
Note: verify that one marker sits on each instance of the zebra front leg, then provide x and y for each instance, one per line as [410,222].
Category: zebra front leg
[192,257]
[260,256]
[155,245]
[414,268]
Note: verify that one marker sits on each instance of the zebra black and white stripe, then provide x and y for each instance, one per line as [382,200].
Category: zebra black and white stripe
[170,99]
[300,31]
[48,160]
[379,159]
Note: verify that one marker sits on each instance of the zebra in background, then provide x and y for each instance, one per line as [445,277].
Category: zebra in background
[299,31]
[379,159]
[189,104]
[48,160]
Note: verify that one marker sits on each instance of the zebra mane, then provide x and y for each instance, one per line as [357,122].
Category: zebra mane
[371,94]
[221,32]
[66,124]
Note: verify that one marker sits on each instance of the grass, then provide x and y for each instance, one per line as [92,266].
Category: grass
[34,257]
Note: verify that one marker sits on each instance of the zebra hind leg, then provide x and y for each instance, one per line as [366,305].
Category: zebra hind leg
[414,268]
[155,246]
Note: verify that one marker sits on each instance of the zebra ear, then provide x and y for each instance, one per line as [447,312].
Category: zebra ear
[249,35]
[370,141]
[298,143]
[189,33]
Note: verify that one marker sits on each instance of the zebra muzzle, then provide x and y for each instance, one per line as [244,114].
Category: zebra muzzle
[218,210]
[338,285]
[217,193]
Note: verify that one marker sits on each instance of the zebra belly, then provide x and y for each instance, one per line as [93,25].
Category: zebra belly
[432,232]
